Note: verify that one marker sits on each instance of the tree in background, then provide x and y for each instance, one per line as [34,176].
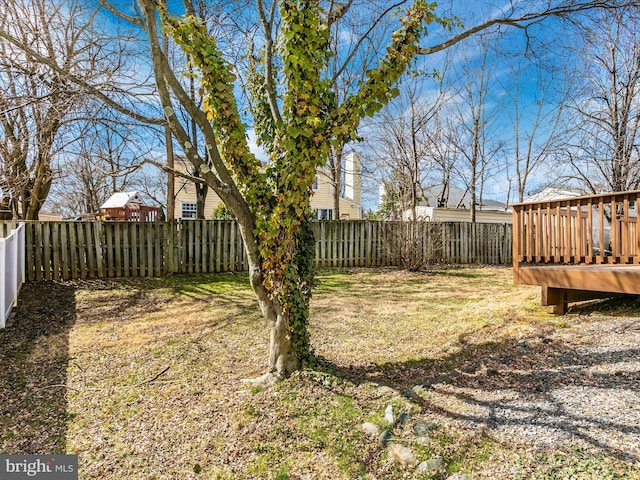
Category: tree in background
[536,126]
[105,159]
[40,108]
[402,148]
[476,111]
[604,110]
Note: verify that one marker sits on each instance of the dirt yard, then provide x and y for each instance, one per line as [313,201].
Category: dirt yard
[143,380]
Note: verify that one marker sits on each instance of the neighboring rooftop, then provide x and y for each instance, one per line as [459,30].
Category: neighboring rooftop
[458,198]
[552,193]
[120,199]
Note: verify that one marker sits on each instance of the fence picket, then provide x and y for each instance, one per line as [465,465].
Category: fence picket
[34,265]
[46,247]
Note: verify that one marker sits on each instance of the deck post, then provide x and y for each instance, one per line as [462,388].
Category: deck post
[556,298]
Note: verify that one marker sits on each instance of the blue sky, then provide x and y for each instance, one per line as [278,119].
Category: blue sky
[509,41]
[505,49]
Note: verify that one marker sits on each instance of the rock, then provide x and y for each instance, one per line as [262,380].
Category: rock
[422,441]
[492,371]
[385,437]
[431,465]
[384,390]
[410,393]
[388,415]
[420,389]
[370,429]
[422,429]
[402,418]
[458,476]
[405,456]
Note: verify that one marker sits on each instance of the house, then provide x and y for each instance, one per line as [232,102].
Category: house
[128,206]
[433,214]
[321,201]
[432,208]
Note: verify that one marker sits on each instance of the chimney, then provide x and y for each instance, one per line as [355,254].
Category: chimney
[352,178]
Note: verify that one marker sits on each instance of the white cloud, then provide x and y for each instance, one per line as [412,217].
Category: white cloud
[253,146]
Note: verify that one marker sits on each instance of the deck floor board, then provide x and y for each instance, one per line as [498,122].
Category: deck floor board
[613,278]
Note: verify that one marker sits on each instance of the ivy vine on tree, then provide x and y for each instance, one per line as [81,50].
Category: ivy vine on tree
[298,133]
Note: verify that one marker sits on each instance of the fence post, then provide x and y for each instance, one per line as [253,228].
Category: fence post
[21,256]
[99,246]
[3,278]
[13,270]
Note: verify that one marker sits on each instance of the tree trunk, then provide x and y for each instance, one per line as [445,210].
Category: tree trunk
[289,344]
[283,360]
[289,347]
[171,179]
[201,198]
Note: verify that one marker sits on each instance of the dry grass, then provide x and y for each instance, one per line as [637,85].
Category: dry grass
[142,378]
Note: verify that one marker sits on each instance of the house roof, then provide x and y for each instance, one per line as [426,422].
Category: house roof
[552,193]
[120,199]
[458,198]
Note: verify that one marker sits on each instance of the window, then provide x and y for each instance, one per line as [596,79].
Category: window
[324,214]
[188,211]
[316,184]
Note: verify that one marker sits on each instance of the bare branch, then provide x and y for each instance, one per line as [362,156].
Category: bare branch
[80,82]
[525,21]
[177,173]
[127,18]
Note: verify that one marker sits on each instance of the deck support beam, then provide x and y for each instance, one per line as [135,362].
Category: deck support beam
[559,298]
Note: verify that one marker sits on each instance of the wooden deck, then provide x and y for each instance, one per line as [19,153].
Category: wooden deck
[579,248]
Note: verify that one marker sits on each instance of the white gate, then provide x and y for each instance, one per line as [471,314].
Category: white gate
[12,252]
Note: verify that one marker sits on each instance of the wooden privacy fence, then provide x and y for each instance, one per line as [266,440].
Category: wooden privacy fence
[66,250]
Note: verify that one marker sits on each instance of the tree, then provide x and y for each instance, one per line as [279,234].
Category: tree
[272,205]
[475,116]
[104,158]
[605,108]
[402,144]
[536,127]
[38,105]
[442,140]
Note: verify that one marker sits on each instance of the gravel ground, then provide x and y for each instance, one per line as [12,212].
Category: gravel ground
[578,387]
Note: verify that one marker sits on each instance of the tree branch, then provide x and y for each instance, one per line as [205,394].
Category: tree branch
[127,18]
[529,19]
[78,81]
[164,168]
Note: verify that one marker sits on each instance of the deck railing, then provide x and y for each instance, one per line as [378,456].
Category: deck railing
[596,229]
